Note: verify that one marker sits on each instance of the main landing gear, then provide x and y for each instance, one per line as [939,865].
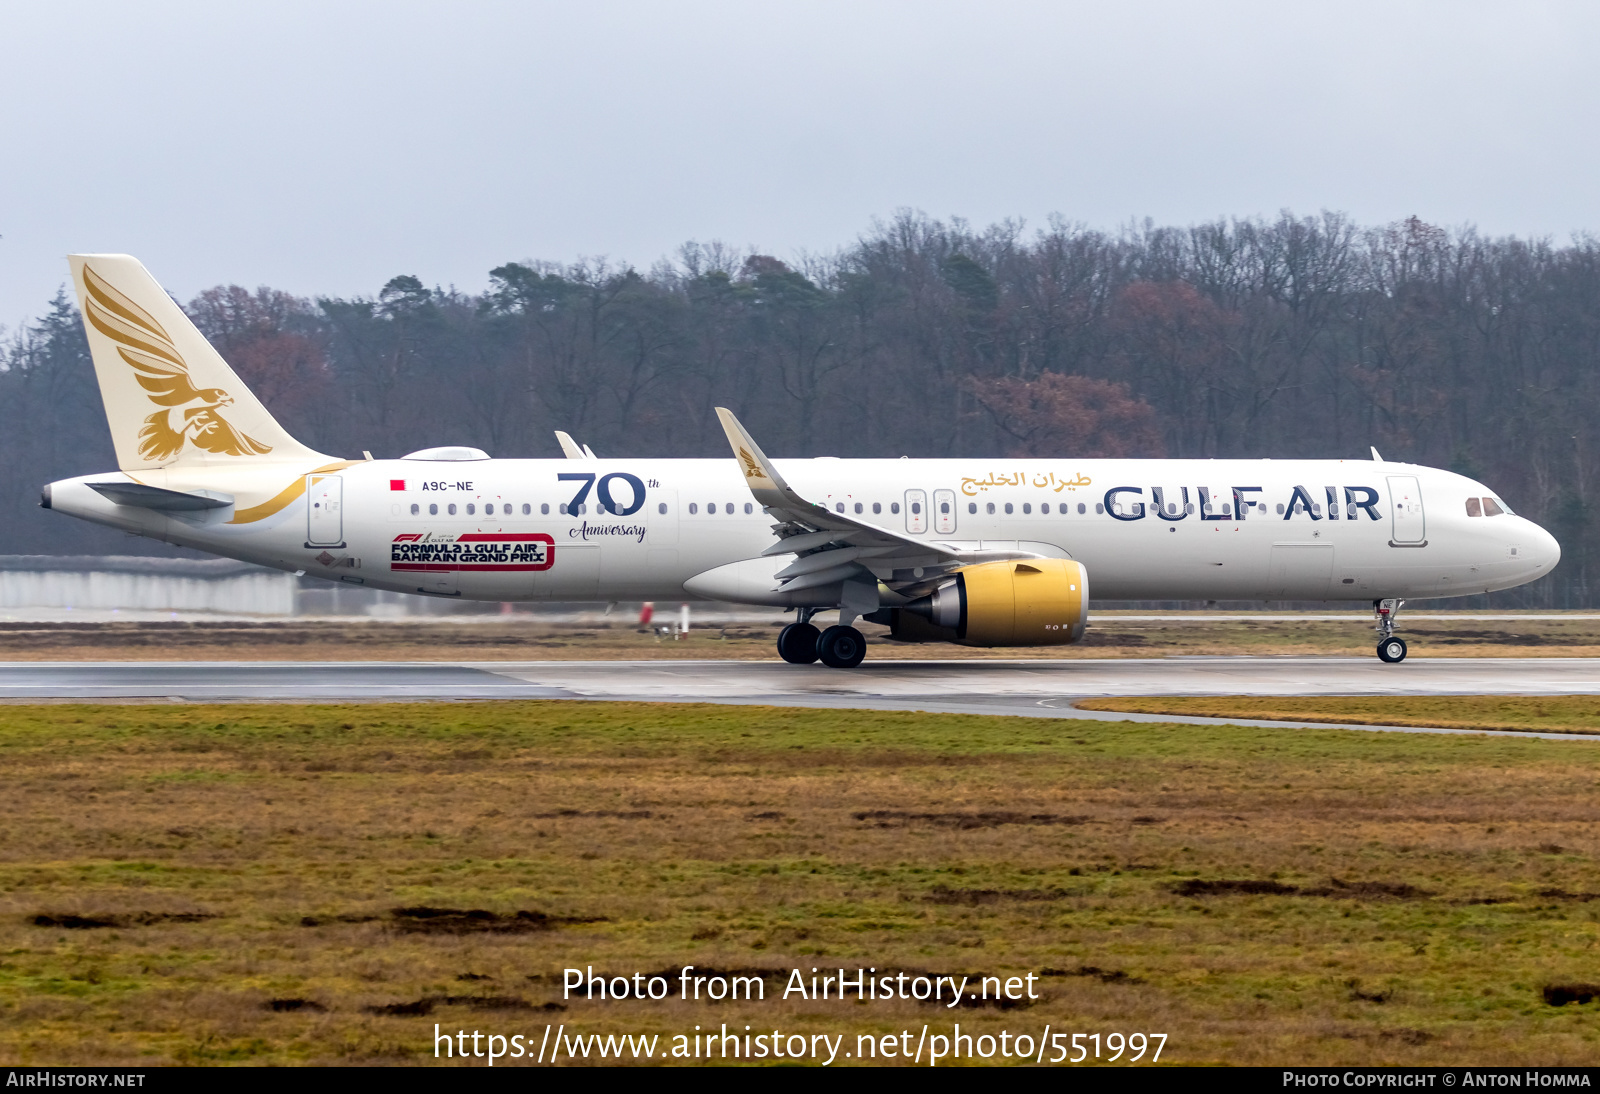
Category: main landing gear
[837,647]
[1391,650]
[841,647]
[797,643]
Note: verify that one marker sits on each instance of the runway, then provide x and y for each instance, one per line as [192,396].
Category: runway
[1036,689]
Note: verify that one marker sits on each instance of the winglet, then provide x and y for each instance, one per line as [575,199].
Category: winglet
[569,447]
[1376,458]
[759,474]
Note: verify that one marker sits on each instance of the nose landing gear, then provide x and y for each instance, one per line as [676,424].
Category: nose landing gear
[1391,650]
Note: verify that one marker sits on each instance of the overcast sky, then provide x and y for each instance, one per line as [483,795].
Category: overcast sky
[325,147]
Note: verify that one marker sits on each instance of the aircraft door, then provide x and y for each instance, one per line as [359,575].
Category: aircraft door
[324,511]
[916,511]
[1410,523]
[944,511]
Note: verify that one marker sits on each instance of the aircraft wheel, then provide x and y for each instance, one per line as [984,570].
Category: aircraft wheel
[797,643]
[1392,651]
[841,647]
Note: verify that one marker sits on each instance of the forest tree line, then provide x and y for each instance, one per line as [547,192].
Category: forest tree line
[1300,337]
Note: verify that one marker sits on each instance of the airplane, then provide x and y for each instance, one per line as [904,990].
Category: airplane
[981,552]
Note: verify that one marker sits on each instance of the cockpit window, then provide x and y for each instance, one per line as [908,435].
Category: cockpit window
[1491,508]
[1474,508]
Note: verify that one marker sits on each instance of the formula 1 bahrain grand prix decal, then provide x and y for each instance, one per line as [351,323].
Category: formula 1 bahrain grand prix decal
[475,552]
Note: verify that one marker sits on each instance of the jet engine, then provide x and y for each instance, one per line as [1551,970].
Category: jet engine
[1022,602]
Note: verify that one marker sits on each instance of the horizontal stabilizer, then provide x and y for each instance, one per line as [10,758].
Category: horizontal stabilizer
[154,497]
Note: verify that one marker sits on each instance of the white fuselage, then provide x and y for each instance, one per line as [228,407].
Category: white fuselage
[508,530]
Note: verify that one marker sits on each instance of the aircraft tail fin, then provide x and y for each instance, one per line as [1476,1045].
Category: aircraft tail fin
[169,396]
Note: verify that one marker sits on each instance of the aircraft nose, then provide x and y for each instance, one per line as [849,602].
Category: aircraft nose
[1545,550]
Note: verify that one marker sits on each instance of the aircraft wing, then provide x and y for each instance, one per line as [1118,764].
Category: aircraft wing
[833,547]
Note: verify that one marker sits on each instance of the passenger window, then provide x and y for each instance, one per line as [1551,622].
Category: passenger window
[894,507]
[1008,508]
[1027,507]
[1333,509]
[944,507]
[1474,508]
[877,507]
[728,508]
[711,507]
[989,508]
[1099,509]
[1045,508]
[433,510]
[451,508]
[838,507]
[415,508]
[527,510]
[859,507]
[544,508]
[471,509]
[693,508]
[488,510]
[1083,508]
[916,508]
[1280,507]
[662,508]
[749,508]
[1490,509]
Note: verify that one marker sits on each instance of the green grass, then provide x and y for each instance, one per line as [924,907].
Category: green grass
[1543,713]
[664,835]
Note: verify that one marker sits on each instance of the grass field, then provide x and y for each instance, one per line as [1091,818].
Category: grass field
[1541,713]
[527,637]
[236,883]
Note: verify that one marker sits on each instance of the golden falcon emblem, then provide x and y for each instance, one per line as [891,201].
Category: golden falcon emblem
[752,470]
[144,344]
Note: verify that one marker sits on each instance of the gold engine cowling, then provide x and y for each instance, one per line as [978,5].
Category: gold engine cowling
[1023,602]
